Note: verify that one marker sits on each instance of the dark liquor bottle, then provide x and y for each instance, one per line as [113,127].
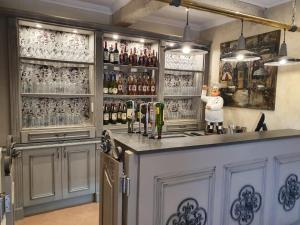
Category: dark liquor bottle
[126,57]
[124,114]
[145,58]
[121,57]
[116,54]
[140,85]
[114,85]
[119,119]
[134,86]
[145,84]
[159,120]
[149,59]
[110,87]
[148,84]
[130,115]
[114,113]
[105,53]
[120,84]
[130,58]
[141,59]
[106,83]
[154,60]
[152,85]
[106,114]
[129,84]
[135,58]
[111,54]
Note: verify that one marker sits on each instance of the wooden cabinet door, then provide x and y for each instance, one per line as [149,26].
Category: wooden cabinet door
[41,176]
[111,192]
[78,174]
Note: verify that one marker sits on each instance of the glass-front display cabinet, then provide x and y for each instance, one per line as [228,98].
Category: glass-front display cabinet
[130,72]
[56,82]
[184,75]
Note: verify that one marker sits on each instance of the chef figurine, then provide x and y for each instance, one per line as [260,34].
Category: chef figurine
[214,109]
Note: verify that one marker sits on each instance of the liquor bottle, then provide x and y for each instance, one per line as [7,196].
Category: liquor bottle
[119,119]
[105,53]
[106,83]
[111,54]
[110,88]
[130,58]
[130,83]
[114,85]
[135,58]
[140,85]
[124,114]
[144,84]
[141,59]
[130,115]
[121,57]
[125,57]
[134,85]
[145,57]
[116,54]
[120,84]
[114,113]
[106,114]
[152,84]
[149,59]
[159,120]
[148,92]
[154,60]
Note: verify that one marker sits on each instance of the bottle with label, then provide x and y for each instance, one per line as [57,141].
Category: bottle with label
[145,58]
[110,89]
[149,59]
[124,114]
[130,58]
[114,113]
[105,53]
[106,83]
[140,85]
[159,120]
[106,114]
[135,58]
[130,115]
[152,84]
[129,84]
[148,92]
[134,85]
[141,59]
[153,59]
[121,57]
[116,54]
[125,57]
[114,85]
[119,119]
[120,84]
[111,54]
[144,84]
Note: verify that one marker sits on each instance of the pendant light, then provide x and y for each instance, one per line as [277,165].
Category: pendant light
[188,46]
[282,59]
[241,54]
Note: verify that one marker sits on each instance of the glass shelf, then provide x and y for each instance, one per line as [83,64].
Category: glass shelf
[180,70]
[55,95]
[51,61]
[129,67]
[129,96]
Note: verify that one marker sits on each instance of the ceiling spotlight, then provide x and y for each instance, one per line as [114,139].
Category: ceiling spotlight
[241,53]
[142,40]
[115,36]
[38,25]
[188,46]
[282,59]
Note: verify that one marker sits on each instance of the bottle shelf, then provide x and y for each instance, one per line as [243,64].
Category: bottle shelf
[130,96]
[54,61]
[55,95]
[106,65]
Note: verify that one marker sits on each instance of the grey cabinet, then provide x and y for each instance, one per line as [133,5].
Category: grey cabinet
[51,174]
[78,174]
[41,176]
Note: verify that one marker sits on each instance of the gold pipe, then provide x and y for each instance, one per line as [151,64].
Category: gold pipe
[233,14]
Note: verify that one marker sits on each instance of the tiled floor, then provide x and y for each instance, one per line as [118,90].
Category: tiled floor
[79,215]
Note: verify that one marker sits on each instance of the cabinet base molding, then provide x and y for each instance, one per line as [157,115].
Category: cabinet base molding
[32,210]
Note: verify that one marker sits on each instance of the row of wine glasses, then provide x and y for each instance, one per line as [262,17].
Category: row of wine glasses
[183,62]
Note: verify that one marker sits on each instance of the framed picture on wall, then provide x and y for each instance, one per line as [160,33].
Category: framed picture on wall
[251,84]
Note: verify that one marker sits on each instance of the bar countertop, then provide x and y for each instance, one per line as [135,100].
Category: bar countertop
[143,145]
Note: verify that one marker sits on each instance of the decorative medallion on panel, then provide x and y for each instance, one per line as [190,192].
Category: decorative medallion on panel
[188,213]
[243,209]
[289,193]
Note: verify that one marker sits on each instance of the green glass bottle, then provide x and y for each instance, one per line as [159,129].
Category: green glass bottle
[159,120]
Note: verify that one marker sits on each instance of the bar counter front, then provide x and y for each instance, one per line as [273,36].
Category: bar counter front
[249,178]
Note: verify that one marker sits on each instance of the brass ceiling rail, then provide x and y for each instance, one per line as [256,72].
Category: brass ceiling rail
[233,14]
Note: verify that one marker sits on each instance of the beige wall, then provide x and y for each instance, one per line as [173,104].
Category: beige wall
[4,84]
[287,112]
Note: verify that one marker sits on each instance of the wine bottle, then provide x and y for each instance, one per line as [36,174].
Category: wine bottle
[145,58]
[149,59]
[120,84]
[105,53]
[141,59]
[106,115]
[130,115]
[139,85]
[106,83]
[116,54]
[135,58]
[111,54]
[148,85]
[121,57]
[114,114]
[144,84]
[114,85]
[126,58]
[124,114]
[134,85]
[152,84]
[129,84]
[130,58]
[110,87]
[119,119]
[159,120]
[153,59]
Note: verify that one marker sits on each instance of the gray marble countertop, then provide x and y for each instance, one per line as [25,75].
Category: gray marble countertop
[143,145]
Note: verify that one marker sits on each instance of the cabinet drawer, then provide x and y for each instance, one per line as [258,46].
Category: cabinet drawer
[56,135]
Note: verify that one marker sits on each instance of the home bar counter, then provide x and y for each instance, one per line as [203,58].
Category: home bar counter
[229,179]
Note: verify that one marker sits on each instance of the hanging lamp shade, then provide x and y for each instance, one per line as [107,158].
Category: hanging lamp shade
[188,46]
[241,54]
